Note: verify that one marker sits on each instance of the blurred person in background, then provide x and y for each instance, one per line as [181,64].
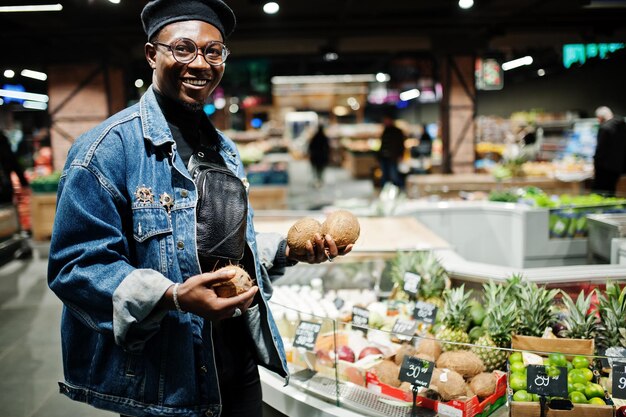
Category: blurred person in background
[610,155]
[391,151]
[9,164]
[319,155]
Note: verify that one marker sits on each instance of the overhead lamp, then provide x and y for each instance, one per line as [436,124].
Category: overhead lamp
[35,105]
[9,73]
[409,94]
[37,75]
[22,95]
[139,83]
[271,7]
[541,72]
[381,77]
[32,8]
[516,63]
[114,1]
[323,79]
[466,4]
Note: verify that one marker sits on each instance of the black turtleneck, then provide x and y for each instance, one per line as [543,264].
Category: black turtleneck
[190,128]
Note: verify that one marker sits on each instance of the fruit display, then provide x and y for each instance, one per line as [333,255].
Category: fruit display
[581,381]
[480,343]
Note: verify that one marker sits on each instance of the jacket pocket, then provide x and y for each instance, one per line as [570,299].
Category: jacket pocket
[153,237]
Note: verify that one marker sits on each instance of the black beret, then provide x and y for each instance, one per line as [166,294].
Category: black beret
[159,13]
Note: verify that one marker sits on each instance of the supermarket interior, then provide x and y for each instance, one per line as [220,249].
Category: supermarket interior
[488,272]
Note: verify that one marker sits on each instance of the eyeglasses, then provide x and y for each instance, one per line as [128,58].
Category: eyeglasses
[185,51]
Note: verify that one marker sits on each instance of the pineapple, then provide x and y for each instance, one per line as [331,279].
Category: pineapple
[535,308]
[435,279]
[455,318]
[613,316]
[502,318]
[579,324]
[425,264]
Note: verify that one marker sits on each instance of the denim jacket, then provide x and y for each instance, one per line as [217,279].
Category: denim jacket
[116,249]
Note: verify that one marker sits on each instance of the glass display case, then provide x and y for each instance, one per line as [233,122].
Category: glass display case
[360,340]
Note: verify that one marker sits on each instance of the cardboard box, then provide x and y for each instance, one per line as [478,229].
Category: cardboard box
[470,407]
[528,409]
[570,347]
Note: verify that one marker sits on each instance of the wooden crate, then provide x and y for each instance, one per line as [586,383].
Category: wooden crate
[268,197]
[42,211]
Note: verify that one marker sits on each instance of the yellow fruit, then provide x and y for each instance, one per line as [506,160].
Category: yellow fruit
[596,401]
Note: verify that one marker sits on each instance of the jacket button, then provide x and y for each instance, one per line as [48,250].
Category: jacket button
[184,193]
[180,244]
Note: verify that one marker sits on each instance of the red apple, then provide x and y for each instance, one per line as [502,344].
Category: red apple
[370,350]
[323,357]
[345,353]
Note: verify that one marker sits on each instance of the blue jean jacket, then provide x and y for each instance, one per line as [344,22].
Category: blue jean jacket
[116,249]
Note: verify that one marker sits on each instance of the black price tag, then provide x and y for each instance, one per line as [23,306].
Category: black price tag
[360,317]
[619,380]
[411,283]
[306,334]
[550,382]
[416,371]
[425,312]
[404,327]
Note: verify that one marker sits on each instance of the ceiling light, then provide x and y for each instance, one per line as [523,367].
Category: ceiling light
[114,1]
[23,95]
[381,77]
[271,7]
[409,94]
[541,72]
[42,76]
[35,105]
[516,63]
[32,8]
[138,83]
[9,73]
[323,79]
[331,56]
[466,4]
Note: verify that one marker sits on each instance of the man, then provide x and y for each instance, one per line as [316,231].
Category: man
[8,165]
[391,151]
[143,332]
[608,160]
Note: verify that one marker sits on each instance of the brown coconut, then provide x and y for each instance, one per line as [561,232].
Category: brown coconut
[429,347]
[464,362]
[483,384]
[343,226]
[238,284]
[450,385]
[404,350]
[387,372]
[300,232]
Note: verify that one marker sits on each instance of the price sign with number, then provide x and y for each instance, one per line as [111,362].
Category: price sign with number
[306,334]
[404,327]
[360,317]
[425,312]
[416,371]
[550,381]
[619,381]
[411,283]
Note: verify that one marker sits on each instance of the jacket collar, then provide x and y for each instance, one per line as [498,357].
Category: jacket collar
[156,130]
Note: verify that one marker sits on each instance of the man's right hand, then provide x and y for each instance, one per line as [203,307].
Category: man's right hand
[196,296]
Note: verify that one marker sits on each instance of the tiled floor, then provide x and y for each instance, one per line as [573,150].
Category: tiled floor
[30,357]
